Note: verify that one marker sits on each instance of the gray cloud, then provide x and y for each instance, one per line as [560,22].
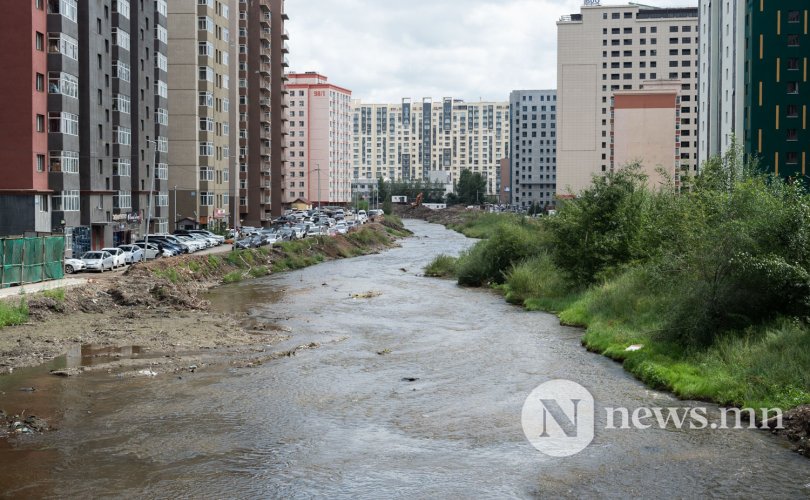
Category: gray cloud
[384,50]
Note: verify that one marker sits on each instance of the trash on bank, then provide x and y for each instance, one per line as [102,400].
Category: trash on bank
[368,295]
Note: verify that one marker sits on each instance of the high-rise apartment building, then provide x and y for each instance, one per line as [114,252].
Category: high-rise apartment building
[407,141]
[319,154]
[24,193]
[604,49]
[263,52]
[200,93]
[753,69]
[95,98]
[533,132]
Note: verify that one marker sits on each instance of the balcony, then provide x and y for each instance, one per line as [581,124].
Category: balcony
[285,62]
[265,103]
[264,118]
[285,34]
[264,151]
[285,48]
[264,69]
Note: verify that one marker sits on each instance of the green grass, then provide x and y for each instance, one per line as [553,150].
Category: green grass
[170,274]
[11,314]
[259,271]
[443,266]
[233,277]
[57,294]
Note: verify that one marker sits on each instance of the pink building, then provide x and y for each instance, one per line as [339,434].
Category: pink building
[319,155]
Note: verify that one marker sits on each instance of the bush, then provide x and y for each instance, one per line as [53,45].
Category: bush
[57,294]
[233,277]
[443,266]
[535,278]
[490,260]
[11,314]
[259,271]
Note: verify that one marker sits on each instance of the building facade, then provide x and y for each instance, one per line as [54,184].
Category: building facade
[200,96]
[753,64]
[533,158]
[407,141]
[263,61]
[319,156]
[604,49]
[24,193]
[95,75]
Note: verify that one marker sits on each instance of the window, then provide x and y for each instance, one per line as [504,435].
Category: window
[161,62]
[122,167]
[206,49]
[161,89]
[67,8]
[206,149]
[162,7]
[206,99]
[64,161]
[63,123]
[59,43]
[40,162]
[793,64]
[792,158]
[162,116]
[206,73]
[66,201]
[793,111]
[794,16]
[205,23]
[122,200]
[121,71]
[40,123]
[122,136]
[120,38]
[162,144]
[121,7]
[161,34]
[206,124]
[792,87]
[792,134]
[162,171]
[39,82]
[206,198]
[39,41]
[793,40]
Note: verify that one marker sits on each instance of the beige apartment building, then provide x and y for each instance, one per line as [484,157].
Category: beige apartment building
[319,154]
[408,141]
[201,93]
[607,49]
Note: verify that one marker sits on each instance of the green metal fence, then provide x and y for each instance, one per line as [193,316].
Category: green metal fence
[31,260]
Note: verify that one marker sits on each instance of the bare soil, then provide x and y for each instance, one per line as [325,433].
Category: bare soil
[157,306]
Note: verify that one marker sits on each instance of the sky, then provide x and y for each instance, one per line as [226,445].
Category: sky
[384,50]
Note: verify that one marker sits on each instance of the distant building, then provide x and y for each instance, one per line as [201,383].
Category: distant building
[646,130]
[753,81]
[534,147]
[319,155]
[408,141]
[606,49]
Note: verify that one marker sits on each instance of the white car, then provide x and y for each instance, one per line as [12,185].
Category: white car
[132,253]
[194,245]
[341,227]
[119,257]
[98,261]
[151,251]
[73,266]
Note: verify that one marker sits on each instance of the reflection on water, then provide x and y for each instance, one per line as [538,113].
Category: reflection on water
[343,420]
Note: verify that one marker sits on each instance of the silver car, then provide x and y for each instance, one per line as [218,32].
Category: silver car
[98,261]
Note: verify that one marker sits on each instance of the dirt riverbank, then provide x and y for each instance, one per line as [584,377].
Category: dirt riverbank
[157,306]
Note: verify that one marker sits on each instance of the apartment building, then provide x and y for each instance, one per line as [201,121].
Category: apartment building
[533,138]
[94,96]
[262,125]
[753,73]
[605,49]
[319,154]
[407,141]
[200,93]
[24,192]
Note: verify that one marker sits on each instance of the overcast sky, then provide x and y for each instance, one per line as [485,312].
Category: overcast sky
[384,50]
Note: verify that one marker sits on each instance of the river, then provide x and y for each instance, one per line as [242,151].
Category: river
[413,393]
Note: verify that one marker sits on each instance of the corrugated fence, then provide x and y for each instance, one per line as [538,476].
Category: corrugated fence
[31,260]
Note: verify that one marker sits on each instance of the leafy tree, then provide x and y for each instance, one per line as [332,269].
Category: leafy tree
[471,187]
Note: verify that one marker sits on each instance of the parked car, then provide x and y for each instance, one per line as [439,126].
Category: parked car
[167,238]
[269,236]
[286,234]
[98,261]
[299,231]
[169,249]
[149,251]
[119,258]
[132,253]
[74,266]
[362,216]
[315,230]
[341,227]
[243,243]
[194,245]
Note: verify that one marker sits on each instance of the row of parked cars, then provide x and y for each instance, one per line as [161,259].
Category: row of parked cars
[157,246]
[297,225]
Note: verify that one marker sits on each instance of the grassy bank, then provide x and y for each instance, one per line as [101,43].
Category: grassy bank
[705,293]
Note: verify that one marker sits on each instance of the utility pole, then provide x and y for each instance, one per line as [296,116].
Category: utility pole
[151,191]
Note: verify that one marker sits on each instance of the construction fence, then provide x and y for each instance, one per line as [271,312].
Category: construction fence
[31,260]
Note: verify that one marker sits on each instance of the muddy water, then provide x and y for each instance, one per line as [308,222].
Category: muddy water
[340,421]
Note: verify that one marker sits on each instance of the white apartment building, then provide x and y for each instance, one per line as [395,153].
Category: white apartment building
[407,140]
[721,76]
[534,147]
[319,157]
[604,49]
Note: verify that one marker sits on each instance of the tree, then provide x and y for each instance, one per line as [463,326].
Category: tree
[471,187]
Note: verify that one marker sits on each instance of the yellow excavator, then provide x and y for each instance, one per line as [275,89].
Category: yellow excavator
[418,202]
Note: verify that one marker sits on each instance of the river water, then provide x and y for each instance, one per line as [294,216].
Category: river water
[343,420]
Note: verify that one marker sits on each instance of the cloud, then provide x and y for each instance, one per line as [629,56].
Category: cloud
[470,49]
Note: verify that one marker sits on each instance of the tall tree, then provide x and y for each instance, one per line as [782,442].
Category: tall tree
[471,187]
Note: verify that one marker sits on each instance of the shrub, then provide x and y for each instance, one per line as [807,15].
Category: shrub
[11,314]
[443,266]
[490,260]
[232,277]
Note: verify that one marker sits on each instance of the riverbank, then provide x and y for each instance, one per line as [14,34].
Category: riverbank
[763,366]
[158,306]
